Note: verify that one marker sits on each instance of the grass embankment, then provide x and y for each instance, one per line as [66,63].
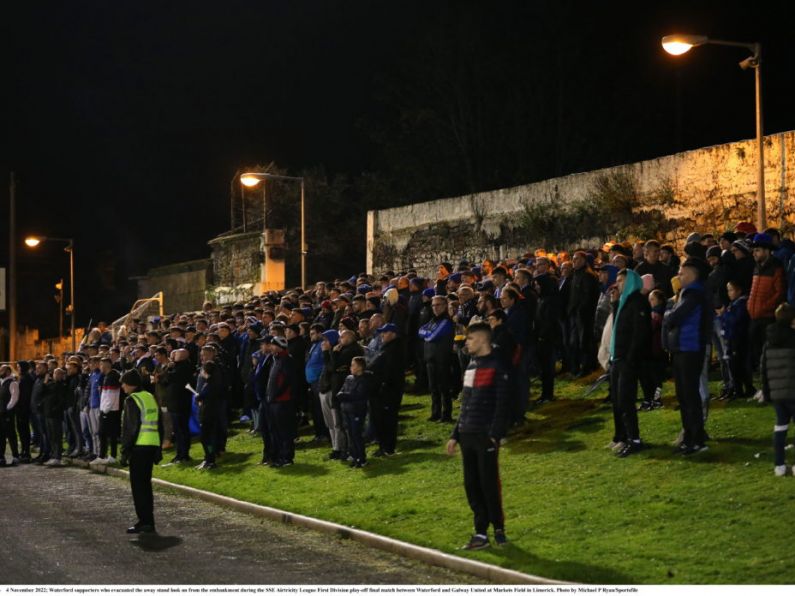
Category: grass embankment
[573,510]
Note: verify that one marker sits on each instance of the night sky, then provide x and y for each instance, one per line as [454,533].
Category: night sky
[126,120]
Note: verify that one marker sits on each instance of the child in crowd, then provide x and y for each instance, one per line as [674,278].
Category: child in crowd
[778,379]
[734,327]
[353,399]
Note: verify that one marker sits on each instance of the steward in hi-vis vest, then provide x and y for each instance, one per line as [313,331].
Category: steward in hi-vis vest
[142,433]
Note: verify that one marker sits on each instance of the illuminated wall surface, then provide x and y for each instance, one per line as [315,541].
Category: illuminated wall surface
[708,189]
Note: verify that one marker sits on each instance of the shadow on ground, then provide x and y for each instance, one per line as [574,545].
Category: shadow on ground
[515,557]
[155,542]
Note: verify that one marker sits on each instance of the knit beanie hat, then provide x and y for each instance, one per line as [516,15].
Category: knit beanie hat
[714,251]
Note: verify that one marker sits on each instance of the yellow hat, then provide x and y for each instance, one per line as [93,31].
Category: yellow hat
[676,284]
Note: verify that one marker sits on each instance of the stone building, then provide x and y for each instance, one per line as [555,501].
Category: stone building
[241,264]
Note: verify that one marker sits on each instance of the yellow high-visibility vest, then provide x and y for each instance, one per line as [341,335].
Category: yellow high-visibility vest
[150,412]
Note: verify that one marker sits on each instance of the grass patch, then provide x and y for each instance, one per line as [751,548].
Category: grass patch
[573,510]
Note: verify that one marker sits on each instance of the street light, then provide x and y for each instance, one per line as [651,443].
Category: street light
[35,241]
[252,179]
[679,44]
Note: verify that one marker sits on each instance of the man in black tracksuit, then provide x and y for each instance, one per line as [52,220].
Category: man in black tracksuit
[179,402]
[390,371]
[23,410]
[481,424]
[281,403]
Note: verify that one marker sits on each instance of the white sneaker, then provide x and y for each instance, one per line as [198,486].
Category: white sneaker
[53,462]
[780,470]
[110,460]
[97,461]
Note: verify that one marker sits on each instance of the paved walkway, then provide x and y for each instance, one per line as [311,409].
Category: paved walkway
[67,526]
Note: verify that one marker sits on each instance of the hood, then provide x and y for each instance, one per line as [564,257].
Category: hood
[612,273]
[333,336]
[632,284]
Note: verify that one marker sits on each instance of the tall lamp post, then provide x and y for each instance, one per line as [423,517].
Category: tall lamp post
[252,179]
[33,242]
[677,45]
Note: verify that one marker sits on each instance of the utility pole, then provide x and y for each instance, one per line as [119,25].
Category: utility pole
[12,271]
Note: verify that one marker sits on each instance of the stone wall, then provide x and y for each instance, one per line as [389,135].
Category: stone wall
[183,284]
[707,189]
[237,265]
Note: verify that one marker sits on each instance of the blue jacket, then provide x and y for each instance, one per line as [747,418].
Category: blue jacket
[314,363]
[437,335]
[687,326]
[436,330]
[94,380]
[734,323]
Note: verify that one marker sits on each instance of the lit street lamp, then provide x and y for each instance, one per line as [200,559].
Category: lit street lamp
[33,242]
[252,179]
[677,45]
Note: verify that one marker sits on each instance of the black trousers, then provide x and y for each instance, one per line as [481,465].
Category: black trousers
[687,373]
[269,452]
[317,412]
[281,417]
[757,335]
[109,430]
[75,432]
[384,412]
[354,426]
[209,430]
[22,416]
[624,392]
[740,365]
[439,371]
[482,481]
[8,433]
[55,436]
[181,423]
[420,368]
[581,345]
[545,355]
[142,460]
[651,375]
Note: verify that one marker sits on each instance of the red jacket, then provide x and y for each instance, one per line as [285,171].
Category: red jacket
[768,289]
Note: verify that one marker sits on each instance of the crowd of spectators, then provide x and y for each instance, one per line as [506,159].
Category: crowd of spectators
[334,358]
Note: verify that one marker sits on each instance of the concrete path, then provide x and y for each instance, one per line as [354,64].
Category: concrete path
[67,526]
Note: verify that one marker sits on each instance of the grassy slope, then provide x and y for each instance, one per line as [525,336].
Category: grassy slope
[573,511]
